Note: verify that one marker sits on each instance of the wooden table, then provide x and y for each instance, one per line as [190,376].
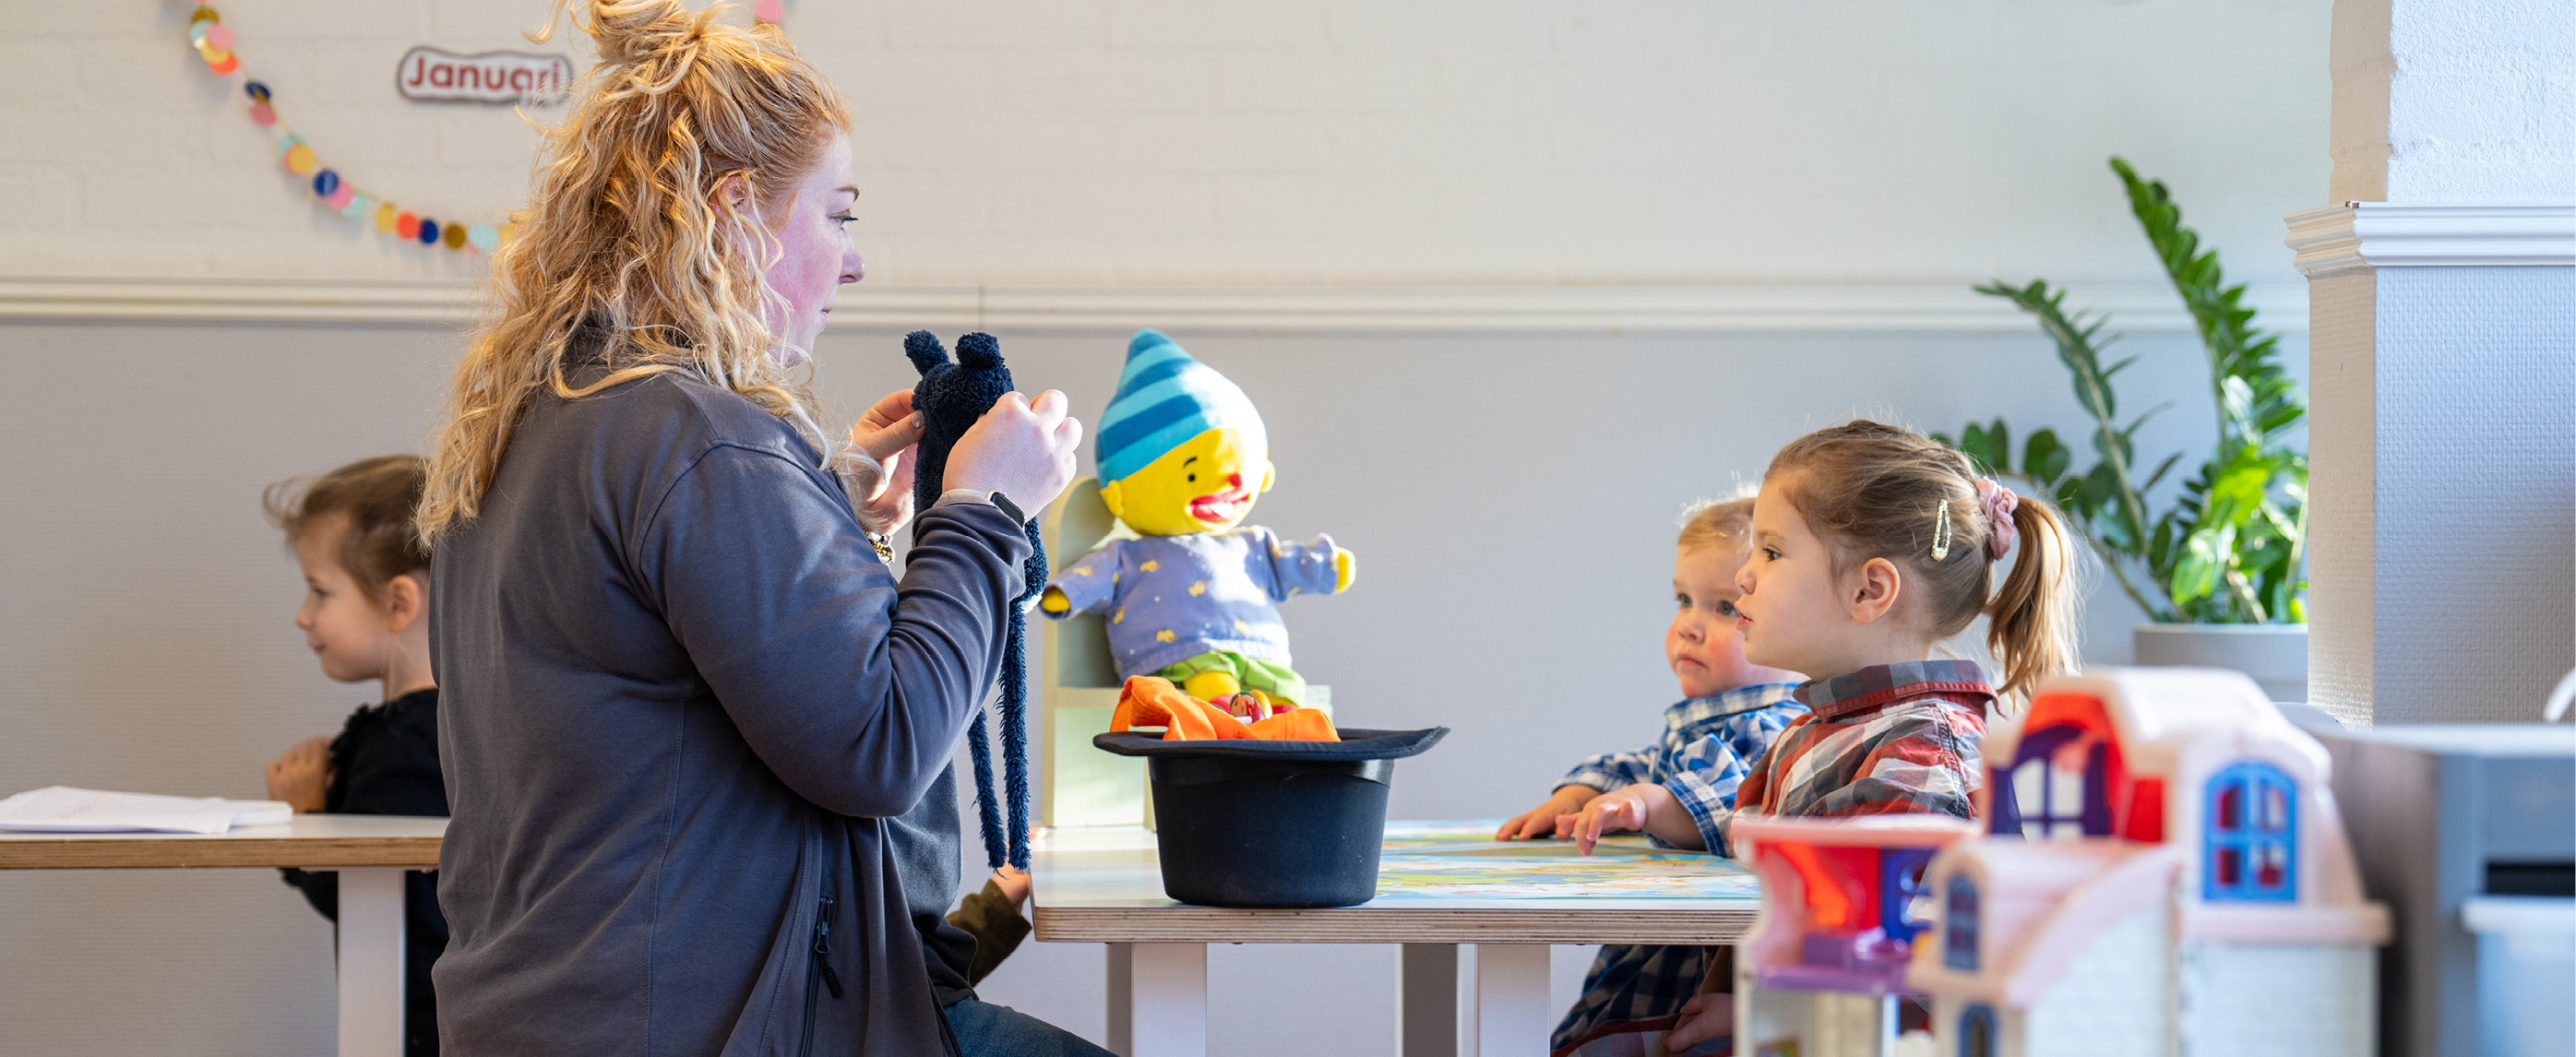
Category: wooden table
[370,853]
[1105,885]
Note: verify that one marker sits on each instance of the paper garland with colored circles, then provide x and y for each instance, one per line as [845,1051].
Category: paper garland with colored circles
[215,44]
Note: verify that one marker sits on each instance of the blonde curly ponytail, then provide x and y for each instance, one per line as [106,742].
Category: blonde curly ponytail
[625,226]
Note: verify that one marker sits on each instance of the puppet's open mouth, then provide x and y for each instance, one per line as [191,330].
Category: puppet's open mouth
[1221,507]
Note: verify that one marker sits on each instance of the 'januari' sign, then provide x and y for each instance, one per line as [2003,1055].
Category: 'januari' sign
[492,77]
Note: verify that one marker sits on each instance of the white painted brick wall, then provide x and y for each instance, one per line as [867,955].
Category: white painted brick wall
[2452,102]
[1037,142]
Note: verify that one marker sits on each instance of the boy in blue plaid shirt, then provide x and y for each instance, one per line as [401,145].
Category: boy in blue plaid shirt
[1677,790]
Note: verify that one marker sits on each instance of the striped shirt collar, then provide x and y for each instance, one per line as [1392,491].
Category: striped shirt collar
[1879,684]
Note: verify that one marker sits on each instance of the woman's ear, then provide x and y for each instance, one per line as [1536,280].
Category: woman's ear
[734,206]
[406,601]
[731,194]
[1875,587]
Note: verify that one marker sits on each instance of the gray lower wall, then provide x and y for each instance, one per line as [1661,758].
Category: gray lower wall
[1512,500]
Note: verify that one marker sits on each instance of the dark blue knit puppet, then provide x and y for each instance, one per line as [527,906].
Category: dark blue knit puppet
[950,397]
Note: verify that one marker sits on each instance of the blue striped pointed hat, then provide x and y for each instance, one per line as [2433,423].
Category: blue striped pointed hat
[1164,399]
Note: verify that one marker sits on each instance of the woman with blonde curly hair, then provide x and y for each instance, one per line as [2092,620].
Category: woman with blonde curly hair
[696,735]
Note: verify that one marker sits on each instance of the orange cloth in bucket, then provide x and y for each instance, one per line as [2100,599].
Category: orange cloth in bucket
[1148,700]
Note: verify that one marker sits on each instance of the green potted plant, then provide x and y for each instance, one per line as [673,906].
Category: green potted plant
[2221,568]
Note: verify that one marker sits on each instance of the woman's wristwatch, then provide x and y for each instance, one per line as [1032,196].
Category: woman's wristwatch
[998,500]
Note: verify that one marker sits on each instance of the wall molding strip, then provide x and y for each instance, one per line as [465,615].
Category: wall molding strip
[2357,236]
[2133,308]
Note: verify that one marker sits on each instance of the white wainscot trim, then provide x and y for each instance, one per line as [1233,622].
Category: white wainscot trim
[2357,236]
[2139,309]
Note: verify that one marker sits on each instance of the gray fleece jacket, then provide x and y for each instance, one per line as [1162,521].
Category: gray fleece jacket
[697,742]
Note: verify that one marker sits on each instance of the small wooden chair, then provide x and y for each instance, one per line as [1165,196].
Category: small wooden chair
[1078,690]
[1081,785]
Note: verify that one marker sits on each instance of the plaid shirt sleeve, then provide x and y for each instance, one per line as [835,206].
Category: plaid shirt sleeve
[1703,774]
[1612,771]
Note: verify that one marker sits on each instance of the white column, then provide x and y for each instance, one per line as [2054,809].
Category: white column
[371,962]
[2442,517]
[1426,1000]
[1158,999]
[1513,1016]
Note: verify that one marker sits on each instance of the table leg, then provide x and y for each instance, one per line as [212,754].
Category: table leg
[1158,999]
[1426,1000]
[1512,1012]
[371,962]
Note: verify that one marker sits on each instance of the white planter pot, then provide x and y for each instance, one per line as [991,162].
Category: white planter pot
[2276,655]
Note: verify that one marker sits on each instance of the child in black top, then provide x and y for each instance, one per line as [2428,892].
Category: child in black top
[365,616]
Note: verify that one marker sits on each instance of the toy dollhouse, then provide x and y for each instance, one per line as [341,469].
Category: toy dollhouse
[2164,873]
[1843,902]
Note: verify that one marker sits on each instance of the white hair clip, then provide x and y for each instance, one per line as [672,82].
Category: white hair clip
[1941,533]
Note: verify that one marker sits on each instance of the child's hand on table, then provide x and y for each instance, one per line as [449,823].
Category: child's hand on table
[1540,821]
[1645,806]
[303,774]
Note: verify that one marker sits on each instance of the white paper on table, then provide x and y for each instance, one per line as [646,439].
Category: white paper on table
[63,809]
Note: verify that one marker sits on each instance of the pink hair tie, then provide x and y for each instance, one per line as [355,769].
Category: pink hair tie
[1999,502]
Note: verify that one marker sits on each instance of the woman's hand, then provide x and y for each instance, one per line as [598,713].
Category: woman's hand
[1021,449]
[302,774]
[1540,821]
[887,433]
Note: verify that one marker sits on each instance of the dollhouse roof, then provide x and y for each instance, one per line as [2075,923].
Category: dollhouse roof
[2156,711]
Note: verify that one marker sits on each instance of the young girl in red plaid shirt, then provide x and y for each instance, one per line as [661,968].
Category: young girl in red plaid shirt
[1872,545]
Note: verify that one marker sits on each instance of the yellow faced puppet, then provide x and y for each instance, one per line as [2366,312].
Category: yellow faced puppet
[1207,484]
[1181,449]
[1182,458]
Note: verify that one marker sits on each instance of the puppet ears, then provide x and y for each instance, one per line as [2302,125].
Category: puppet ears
[924,350]
[979,352]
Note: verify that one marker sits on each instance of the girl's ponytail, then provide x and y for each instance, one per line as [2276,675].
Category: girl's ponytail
[2030,621]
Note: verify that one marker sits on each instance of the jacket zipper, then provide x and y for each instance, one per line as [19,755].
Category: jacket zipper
[821,971]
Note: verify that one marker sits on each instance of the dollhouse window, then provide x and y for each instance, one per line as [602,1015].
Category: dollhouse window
[2252,835]
[2057,785]
[1959,925]
[1977,1031]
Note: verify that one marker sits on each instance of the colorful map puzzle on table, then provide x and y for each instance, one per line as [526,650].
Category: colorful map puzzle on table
[1456,860]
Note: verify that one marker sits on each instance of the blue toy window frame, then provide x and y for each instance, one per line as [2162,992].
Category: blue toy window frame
[1959,911]
[1977,1031]
[2250,835]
